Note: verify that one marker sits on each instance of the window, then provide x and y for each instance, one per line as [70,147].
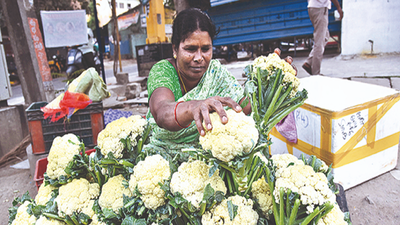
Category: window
[121,5]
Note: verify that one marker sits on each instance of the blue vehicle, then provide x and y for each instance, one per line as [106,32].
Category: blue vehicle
[266,24]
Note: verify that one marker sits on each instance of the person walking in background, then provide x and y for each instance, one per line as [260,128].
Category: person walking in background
[87,51]
[318,12]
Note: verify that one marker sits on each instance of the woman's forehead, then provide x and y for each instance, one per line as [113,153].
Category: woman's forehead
[198,36]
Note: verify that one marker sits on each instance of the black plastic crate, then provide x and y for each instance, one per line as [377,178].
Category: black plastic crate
[82,123]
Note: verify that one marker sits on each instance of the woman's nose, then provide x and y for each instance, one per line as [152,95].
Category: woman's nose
[198,57]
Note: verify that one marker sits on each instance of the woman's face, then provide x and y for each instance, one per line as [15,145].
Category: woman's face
[193,55]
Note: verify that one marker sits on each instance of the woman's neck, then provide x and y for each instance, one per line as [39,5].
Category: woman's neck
[186,83]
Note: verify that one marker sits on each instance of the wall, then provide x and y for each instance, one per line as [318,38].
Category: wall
[376,20]
[14,127]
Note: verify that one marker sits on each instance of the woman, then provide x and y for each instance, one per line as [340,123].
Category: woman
[183,91]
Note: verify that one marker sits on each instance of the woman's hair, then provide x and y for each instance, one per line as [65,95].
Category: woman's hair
[187,22]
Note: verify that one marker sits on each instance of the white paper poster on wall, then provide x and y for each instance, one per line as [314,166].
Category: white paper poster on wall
[64,28]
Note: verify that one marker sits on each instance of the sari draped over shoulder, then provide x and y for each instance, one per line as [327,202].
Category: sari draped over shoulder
[216,81]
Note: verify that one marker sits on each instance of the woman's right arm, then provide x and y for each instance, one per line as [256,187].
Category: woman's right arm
[174,116]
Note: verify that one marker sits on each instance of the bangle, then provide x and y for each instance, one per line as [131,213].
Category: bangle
[176,119]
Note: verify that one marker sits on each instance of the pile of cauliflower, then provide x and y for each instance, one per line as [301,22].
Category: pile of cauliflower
[159,189]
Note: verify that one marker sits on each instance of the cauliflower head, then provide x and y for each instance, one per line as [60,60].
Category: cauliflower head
[261,192]
[44,194]
[61,153]
[146,176]
[77,196]
[192,178]
[23,216]
[45,221]
[335,216]
[112,193]
[311,186]
[273,62]
[283,160]
[108,139]
[220,213]
[226,141]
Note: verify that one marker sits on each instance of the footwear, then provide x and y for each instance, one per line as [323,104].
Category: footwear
[307,68]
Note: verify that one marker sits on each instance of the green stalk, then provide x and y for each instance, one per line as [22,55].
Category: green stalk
[74,219]
[327,208]
[271,187]
[259,87]
[279,117]
[126,163]
[212,205]
[203,207]
[272,105]
[288,202]
[293,214]
[52,216]
[311,216]
[229,183]
[290,101]
[108,162]
[252,180]
[139,145]
[227,167]
[283,97]
[313,161]
[98,175]
[130,203]
[281,207]
[272,90]
[254,103]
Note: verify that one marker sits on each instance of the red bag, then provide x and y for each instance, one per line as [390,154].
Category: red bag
[70,103]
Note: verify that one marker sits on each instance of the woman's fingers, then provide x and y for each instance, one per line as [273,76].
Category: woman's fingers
[213,104]
[289,59]
[277,51]
[199,124]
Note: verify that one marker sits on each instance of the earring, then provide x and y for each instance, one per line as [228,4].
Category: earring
[174,56]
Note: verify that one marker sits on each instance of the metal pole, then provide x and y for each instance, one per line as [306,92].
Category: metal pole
[99,40]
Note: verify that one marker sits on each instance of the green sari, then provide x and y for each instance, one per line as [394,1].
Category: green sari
[216,81]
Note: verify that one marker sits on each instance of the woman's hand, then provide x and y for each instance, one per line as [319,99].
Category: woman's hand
[173,116]
[201,110]
[288,59]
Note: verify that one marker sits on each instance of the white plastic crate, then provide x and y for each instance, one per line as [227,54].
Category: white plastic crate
[352,125]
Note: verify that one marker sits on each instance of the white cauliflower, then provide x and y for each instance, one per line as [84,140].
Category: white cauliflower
[220,214]
[283,160]
[109,139]
[192,178]
[112,194]
[45,221]
[334,217]
[311,186]
[77,196]
[23,216]
[146,176]
[272,62]
[261,192]
[44,194]
[229,140]
[61,153]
